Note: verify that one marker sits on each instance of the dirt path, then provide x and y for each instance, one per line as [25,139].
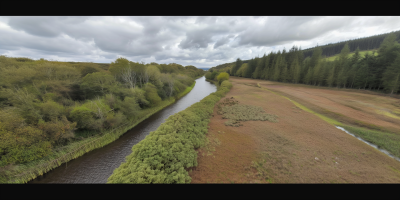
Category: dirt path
[300,148]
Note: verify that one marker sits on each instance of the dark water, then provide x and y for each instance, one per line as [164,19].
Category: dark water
[96,166]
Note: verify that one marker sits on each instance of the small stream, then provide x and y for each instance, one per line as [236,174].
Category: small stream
[370,144]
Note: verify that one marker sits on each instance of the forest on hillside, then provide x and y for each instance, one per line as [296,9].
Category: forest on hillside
[328,50]
[379,72]
[48,104]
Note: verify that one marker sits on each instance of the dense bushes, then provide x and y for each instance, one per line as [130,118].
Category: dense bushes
[54,100]
[165,153]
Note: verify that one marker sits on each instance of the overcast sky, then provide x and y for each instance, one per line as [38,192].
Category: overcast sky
[199,41]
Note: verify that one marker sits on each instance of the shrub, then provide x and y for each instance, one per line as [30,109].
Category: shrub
[130,107]
[151,94]
[222,77]
[20,143]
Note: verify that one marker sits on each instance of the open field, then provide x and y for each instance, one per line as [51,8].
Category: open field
[362,54]
[301,147]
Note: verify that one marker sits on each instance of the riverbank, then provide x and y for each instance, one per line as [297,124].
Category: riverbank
[23,173]
[165,154]
[301,147]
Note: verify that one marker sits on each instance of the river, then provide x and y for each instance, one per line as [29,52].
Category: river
[97,165]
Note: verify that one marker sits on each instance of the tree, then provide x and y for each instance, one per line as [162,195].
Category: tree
[222,77]
[308,76]
[151,94]
[97,83]
[129,76]
[391,77]
[238,64]
[295,67]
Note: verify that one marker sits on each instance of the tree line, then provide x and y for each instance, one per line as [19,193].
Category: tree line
[363,44]
[379,72]
[48,104]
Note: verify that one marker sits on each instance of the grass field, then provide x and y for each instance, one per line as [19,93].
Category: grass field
[362,53]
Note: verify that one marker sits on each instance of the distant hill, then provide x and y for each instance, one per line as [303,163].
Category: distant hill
[330,50]
[205,69]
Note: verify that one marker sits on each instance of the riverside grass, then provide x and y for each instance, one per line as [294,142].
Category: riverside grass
[165,153]
[22,173]
[388,141]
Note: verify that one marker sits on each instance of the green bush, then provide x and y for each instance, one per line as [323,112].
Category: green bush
[222,77]
[83,116]
[130,107]
[151,94]
[20,143]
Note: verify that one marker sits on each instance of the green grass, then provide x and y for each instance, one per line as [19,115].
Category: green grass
[388,141]
[187,90]
[22,173]
[362,53]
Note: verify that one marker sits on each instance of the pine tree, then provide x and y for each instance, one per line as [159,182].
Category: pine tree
[331,75]
[308,76]
[284,74]
[343,56]
[276,72]
[295,67]
[391,77]
[238,64]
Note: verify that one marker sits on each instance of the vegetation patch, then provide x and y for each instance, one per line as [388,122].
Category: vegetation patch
[235,113]
[388,141]
[52,112]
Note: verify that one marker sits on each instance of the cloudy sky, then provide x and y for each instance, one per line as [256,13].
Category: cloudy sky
[199,41]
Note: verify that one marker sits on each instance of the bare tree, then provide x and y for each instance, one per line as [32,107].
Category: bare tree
[129,77]
[146,76]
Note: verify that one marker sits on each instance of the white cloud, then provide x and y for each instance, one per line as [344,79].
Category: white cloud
[199,41]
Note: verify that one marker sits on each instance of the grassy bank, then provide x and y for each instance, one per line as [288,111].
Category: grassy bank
[164,154]
[187,90]
[23,173]
[388,141]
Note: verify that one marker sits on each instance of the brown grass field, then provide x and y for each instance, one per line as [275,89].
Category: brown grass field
[300,147]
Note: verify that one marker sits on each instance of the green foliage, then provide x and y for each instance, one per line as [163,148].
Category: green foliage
[43,102]
[387,141]
[20,143]
[241,71]
[83,116]
[222,77]
[130,107]
[165,153]
[151,94]
[391,77]
[51,110]
[140,96]
[98,83]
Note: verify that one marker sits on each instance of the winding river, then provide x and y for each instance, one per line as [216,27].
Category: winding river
[96,166]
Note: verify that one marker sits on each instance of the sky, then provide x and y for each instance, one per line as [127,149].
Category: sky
[204,41]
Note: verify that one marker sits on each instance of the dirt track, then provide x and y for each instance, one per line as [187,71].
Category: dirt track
[301,147]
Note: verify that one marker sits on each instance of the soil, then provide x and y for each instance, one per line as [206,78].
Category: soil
[301,147]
